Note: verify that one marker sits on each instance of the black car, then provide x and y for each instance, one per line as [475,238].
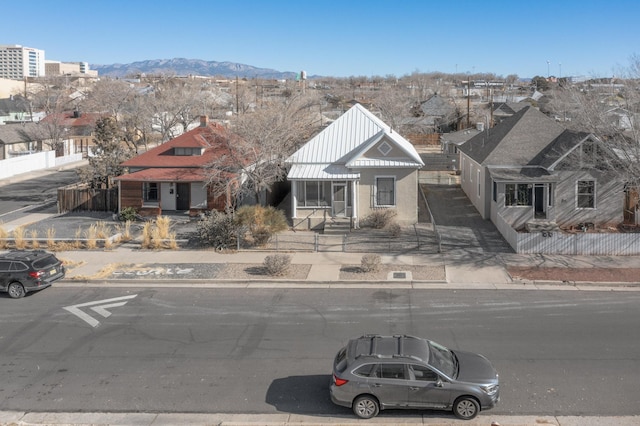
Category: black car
[22,271]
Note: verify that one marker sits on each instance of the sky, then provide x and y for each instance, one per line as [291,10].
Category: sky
[339,38]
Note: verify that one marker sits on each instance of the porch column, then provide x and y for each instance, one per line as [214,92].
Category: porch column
[294,198]
[354,203]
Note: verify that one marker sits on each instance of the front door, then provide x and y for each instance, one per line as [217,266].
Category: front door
[182,201]
[539,204]
[339,199]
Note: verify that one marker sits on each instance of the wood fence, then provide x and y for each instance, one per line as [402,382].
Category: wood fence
[76,197]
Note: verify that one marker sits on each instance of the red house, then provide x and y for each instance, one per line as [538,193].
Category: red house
[174,177]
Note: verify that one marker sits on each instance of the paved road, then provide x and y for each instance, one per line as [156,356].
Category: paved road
[269,351]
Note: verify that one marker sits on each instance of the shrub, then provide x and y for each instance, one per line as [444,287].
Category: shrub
[262,222]
[128,214]
[218,230]
[394,230]
[370,263]
[378,219]
[277,264]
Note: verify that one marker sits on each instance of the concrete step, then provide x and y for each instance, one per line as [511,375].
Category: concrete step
[335,226]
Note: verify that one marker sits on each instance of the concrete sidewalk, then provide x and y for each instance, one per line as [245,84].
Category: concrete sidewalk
[10,418]
[95,266]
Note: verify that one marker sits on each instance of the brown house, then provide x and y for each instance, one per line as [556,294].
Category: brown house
[174,177]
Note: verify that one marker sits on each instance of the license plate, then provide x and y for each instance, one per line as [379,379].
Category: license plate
[53,271]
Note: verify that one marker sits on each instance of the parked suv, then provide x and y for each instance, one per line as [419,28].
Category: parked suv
[376,372]
[22,271]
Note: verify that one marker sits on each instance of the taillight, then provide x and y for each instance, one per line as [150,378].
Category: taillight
[338,381]
[36,274]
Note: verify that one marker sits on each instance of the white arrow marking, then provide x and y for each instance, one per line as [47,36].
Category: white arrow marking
[101,309]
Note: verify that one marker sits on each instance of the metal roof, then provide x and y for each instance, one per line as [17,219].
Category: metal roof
[321,172]
[344,143]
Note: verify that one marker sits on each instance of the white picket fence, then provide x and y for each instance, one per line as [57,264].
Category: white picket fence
[582,243]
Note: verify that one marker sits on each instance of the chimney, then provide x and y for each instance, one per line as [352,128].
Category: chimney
[204,121]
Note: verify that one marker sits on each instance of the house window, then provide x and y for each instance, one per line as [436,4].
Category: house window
[494,191]
[518,194]
[586,194]
[314,193]
[385,191]
[150,191]
[182,151]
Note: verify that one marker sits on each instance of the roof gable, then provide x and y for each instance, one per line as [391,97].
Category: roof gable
[354,134]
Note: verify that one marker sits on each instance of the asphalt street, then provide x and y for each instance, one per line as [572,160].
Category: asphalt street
[269,351]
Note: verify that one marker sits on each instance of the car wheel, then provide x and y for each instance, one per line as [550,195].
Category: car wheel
[466,408]
[16,290]
[366,407]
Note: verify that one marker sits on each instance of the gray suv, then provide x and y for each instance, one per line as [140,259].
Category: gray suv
[375,372]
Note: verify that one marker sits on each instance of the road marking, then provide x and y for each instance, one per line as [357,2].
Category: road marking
[100,307]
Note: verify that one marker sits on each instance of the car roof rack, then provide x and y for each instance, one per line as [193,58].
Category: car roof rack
[376,342]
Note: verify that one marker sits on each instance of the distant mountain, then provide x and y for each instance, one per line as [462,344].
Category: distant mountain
[182,67]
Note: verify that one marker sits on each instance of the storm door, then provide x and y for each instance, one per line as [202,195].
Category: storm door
[339,199]
[182,202]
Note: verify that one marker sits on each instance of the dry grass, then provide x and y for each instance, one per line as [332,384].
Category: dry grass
[77,243]
[3,235]
[18,238]
[172,243]
[64,246]
[163,225]
[102,230]
[51,235]
[35,244]
[105,272]
[125,231]
[91,235]
[146,235]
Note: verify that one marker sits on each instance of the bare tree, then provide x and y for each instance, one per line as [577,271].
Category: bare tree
[51,96]
[610,110]
[265,138]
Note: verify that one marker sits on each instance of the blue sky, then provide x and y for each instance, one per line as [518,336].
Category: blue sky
[339,38]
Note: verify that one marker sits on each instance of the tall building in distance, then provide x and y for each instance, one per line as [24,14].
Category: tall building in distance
[56,68]
[18,62]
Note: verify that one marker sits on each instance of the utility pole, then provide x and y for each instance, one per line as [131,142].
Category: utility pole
[237,97]
[468,103]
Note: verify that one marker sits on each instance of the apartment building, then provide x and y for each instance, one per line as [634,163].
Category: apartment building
[18,62]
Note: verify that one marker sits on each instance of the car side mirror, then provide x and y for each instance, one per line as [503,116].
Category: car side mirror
[439,383]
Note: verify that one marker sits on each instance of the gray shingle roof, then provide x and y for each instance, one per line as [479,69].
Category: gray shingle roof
[514,142]
[17,133]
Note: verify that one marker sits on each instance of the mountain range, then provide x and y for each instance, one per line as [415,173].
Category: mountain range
[182,67]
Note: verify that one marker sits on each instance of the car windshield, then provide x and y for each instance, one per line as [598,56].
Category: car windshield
[443,359]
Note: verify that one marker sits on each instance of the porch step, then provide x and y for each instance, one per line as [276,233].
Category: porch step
[337,226]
